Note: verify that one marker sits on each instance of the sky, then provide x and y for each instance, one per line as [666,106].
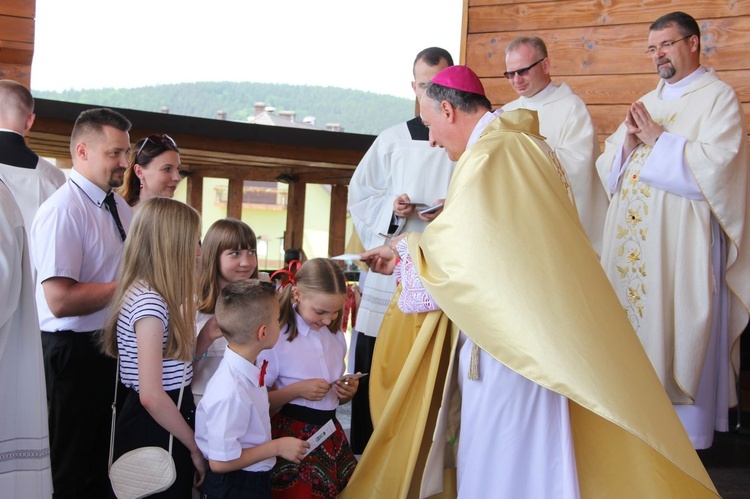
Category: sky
[340,43]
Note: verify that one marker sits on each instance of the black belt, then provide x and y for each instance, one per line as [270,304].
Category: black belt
[307,415]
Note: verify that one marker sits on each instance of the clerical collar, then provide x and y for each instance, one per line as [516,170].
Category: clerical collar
[9,130]
[673,91]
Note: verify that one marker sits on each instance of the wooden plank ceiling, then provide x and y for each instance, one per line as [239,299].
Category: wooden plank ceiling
[216,148]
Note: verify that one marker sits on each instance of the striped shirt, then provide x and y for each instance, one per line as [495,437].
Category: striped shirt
[139,302]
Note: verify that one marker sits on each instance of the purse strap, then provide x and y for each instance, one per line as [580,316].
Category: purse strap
[114,411]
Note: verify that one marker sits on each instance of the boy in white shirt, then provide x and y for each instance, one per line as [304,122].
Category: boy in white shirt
[233,426]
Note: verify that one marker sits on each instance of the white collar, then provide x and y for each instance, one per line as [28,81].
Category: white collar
[92,191]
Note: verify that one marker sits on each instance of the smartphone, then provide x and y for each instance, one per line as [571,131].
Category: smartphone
[352,375]
[431,209]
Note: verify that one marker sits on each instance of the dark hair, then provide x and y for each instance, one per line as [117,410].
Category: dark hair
[685,23]
[292,254]
[224,234]
[243,307]
[93,120]
[467,102]
[319,275]
[432,56]
[143,153]
[532,41]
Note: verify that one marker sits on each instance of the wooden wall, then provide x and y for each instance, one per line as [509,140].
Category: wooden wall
[16,39]
[597,46]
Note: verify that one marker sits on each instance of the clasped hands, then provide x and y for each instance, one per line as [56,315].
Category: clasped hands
[641,128]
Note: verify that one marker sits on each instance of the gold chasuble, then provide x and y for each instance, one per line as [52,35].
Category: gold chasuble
[510,265]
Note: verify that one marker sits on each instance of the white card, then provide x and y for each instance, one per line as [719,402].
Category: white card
[319,436]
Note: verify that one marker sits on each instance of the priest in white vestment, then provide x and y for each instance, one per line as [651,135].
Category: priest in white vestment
[677,234]
[565,123]
[399,166]
[30,178]
[24,438]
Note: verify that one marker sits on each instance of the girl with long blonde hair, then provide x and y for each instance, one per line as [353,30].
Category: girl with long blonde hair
[152,332]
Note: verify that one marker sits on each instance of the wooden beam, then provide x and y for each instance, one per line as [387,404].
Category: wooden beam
[234,198]
[18,8]
[337,220]
[508,16]
[195,192]
[295,216]
[611,50]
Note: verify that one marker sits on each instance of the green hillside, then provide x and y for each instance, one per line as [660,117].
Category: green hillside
[355,110]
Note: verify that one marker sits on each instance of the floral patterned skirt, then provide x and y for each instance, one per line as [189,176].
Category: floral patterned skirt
[323,473]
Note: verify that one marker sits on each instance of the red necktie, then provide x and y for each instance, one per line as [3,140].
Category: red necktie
[261,378]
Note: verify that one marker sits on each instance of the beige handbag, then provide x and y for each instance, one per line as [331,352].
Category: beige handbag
[143,471]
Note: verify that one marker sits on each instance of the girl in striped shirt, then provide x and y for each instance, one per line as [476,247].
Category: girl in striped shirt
[152,332]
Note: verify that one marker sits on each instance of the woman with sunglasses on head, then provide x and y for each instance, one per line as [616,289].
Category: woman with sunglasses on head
[153,169]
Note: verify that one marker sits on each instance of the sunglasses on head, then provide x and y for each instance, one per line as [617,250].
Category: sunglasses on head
[157,140]
[523,71]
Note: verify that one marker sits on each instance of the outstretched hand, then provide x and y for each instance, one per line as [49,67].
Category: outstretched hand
[381,259]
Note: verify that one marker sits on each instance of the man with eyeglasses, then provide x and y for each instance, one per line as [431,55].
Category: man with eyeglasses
[77,238]
[677,233]
[565,122]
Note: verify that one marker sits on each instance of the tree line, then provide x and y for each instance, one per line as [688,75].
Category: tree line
[355,110]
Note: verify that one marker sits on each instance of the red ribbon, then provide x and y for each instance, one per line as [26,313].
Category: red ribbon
[294,266]
[262,377]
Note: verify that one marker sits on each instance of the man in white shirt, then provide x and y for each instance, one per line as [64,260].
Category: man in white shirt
[30,178]
[77,238]
[399,168]
[565,123]
[676,234]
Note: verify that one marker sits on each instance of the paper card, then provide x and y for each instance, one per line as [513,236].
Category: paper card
[353,257]
[320,436]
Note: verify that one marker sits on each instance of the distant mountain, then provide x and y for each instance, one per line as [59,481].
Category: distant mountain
[356,111]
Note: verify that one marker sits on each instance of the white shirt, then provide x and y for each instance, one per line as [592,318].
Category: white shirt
[234,413]
[74,236]
[311,355]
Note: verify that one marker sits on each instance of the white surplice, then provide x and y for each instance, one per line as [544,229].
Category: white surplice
[567,127]
[32,187]
[24,437]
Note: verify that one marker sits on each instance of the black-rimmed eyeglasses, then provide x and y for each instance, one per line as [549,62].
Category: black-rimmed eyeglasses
[664,46]
[521,72]
[157,140]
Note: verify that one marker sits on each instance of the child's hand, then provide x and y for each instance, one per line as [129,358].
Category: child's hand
[346,389]
[313,389]
[292,449]
[200,467]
